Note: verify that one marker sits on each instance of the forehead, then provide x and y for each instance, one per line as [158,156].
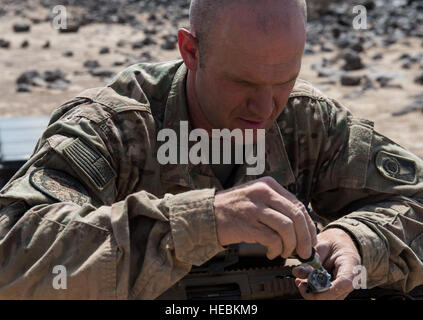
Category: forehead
[255,42]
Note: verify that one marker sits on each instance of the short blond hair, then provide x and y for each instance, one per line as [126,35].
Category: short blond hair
[203,13]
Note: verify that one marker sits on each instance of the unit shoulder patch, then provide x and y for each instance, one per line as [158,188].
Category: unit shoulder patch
[396,168]
[59,186]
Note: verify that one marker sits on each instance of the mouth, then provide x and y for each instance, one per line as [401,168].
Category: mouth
[250,124]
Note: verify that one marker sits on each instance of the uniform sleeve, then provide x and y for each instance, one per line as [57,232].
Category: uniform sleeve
[372,188]
[65,210]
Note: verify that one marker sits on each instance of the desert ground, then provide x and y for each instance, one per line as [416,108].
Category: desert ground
[386,86]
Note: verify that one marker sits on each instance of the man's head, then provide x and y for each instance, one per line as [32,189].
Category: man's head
[243,58]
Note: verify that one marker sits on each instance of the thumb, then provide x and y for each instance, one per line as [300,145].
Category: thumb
[323,249]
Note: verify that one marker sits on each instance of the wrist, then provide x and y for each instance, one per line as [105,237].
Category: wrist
[342,236]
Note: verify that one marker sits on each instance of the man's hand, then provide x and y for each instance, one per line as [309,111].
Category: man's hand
[339,256]
[264,212]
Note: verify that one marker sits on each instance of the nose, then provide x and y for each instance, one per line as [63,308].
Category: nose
[262,103]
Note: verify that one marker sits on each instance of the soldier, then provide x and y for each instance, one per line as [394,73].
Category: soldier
[94,199]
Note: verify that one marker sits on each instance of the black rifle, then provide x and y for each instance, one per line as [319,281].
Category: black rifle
[243,273]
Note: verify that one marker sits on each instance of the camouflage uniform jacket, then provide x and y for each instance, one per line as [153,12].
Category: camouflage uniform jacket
[94,199]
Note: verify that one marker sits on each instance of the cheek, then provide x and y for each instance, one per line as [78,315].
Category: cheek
[282,97]
[233,100]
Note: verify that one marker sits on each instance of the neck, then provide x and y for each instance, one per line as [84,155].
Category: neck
[196,115]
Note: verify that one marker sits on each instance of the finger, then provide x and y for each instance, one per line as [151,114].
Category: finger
[323,249]
[283,226]
[302,271]
[340,289]
[297,203]
[270,239]
[302,233]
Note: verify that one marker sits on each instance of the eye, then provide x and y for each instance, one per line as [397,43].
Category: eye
[285,85]
[245,83]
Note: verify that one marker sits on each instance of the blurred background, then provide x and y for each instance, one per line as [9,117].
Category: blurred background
[377,72]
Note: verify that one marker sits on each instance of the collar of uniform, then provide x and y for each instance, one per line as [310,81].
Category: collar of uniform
[201,176]
[277,163]
[176,111]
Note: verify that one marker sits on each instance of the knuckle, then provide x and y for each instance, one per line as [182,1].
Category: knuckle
[268,180]
[262,189]
[286,226]
[297,216]
[301,209]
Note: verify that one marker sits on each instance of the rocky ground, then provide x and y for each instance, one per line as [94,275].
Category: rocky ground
[377,73]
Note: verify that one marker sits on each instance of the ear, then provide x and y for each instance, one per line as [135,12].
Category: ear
[188,48]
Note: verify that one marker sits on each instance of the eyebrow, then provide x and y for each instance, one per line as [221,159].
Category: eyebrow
[237,79]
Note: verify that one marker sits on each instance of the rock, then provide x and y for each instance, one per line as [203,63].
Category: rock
[91,64]
[104,50]
[38,82]
[407,65]
[412,107]
[25,44]
[324,72]
[36,20]
[103,73]
[121,43]
[336,32]
[357,47]
[50,79]
[348,80]
[170,42]
[137,44]
[4,44]
[352,61]
[370,5]
[377,56]
[342,43]
[404,56]
[46,45]
[21,27]
[308,50]
[119,63]
[51,76]
[145,57]
[353,95]
[419,79]
[141,43]
[68,53]
[26,77]
[383,81]
[59,84]
[152,17]
[326,47]
[367,83]
[148,41]
[70,28]
[150,30]
[22,87]
[406,43]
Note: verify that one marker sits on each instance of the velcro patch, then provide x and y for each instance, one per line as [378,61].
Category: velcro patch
[396,168]
[91,163]
[59,186]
